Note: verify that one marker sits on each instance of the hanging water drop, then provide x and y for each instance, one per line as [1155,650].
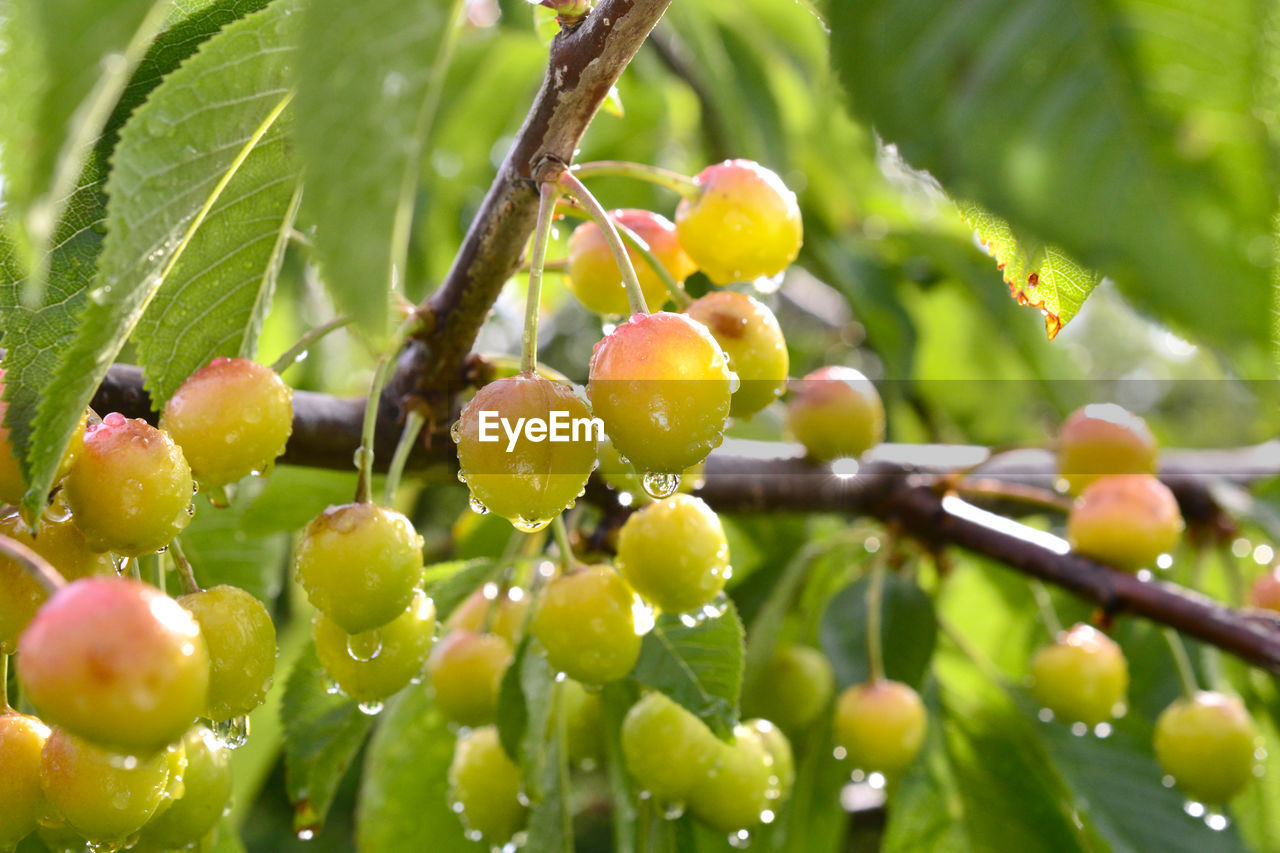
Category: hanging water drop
[477,506]
[525,525]
[455,431]
[660,486]
[365,646]
[371,709]
[232,733]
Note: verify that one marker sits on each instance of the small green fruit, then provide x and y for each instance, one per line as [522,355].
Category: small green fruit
[241,641]
[1082,677]
[593,274]
[507,621]
[880,725]
[742,788]
[1207,745]
[22,739]
[836,412]
[484,786]
[1125,520]
[793,688]
[674,553]
[750,336]
[401,648]
[465,670]
[667,750]
[1101,439]
[584,621]
[206,788]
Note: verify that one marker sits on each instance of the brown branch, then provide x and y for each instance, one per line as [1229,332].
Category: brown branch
[584,63]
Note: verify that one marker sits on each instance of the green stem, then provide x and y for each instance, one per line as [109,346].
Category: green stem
[134,569]
[4,683]
[295,353]
[186,577]
[674,181]
[561,533]
[37,567]
[677,291]
[635,296]
[1044,604]
[1182,662]
[548,195]
[413,424]
[381,375]
[875,600]
[156,567]
[561,722]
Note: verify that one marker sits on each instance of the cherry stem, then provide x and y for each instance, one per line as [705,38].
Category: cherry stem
[186,577]
[1044,604]
[413,423]
[381,375]
[674,181]
[1015,492]
[33,564]
[875,598]
[1182,662]
[559,265]
[295,353]
[561,533]
[635,296]
[4,683]
[678,294]
[156,565]
[549,193]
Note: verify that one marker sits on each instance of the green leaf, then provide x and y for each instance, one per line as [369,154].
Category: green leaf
[462,579]
[63,65]
[322,734]
[404,793]
[1040,276]
[365,110]
[909,629]
[1101,129]
[547,761]
[221,551]
[698,666]
[524,705]
[176,159]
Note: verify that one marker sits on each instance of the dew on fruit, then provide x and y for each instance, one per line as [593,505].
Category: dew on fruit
[104,846]
[232,733]
[561,677]
[734,382]
[673,811]
[474,835]
[365,646]
[526,525]
[625,499]
[371,709]
[477,506]
[455,431]
[358,458]
[740,840]
[660,486]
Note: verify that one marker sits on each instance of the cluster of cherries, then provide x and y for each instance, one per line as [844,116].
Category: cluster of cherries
[136,692]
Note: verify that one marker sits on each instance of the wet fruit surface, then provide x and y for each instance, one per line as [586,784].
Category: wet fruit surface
[741,785]
[1125,520]
[465,671]
[661,385]
[360,563]
[750,336]
[793,688]
[668,750]
[398,651]
[674,553]
[835,412]
[529,481]
[117,662]
[22,739]
[1207,745]
[231,418]
[1081,677]
[130,488]
[485,785]
[880,725]
[241,641]
[206,788]
[504,613]
[585,622]
[12,486]
[593,274]
[743,224]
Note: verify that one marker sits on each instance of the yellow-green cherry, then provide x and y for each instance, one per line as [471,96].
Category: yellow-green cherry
[674,553]
[1081,677]
[593,274]
[585,622]
[396,658]
[667,750]
[1208,744]
[485,786]
[835,412]
[231,418]
[1125,520]
[1100,439]
[750,336]
[742,223]
[526,446]
[22,739]
[880,725]
[241,640]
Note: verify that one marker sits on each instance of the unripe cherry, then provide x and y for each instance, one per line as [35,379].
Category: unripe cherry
[793,688]
[750,336]
[1100,439]
[231,418]
[1125,520]
[485,786]
[784,759]
[593,274]
[584,620]
[667,750]
[584,727]
[360,563]
[22,739]
[102,795]
[400,647]
[116,662]
[880,725]
[674,553]
[662,386]
[241,641]
[465,670]
[743,223]
[130,488]
[1207,744]
[741,785]
[12,486]
[836,412]
[1081,677]
[1265,591]
[62,544]
[536,480]
[206,788]
[505,613]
